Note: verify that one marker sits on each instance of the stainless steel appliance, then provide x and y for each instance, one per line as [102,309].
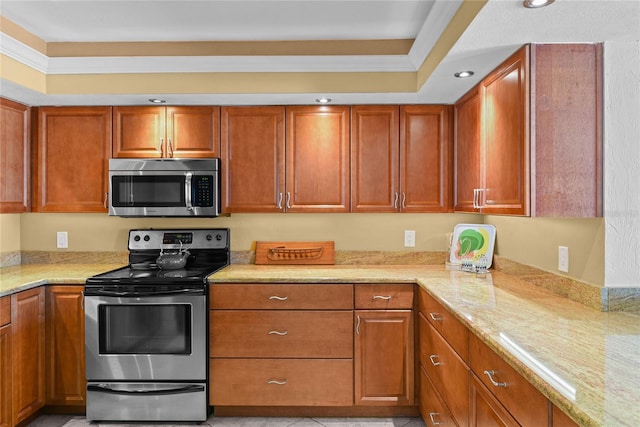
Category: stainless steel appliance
[164,187]
[146,328]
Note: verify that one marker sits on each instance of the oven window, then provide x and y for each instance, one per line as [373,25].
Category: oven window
[145,329]
[148,191]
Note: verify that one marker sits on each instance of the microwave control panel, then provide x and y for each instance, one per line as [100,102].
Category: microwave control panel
[202,190]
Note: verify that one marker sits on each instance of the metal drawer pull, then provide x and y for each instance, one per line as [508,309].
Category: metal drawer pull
[276,297]
[384,297]
[278,333]
[436,317]
[434,360]
[277,382]
[490,374]
[432,417]
[358,326]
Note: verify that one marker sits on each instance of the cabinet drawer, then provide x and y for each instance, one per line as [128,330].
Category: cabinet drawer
[310,334]
[5,310]
[456,334]
[520,398]
[434,412]
[384,297]
[281,296]
[449,374]
[273,382]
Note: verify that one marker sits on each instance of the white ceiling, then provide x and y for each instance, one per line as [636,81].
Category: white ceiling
[498,30]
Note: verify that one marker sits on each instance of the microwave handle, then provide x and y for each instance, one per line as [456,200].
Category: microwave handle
[187,189]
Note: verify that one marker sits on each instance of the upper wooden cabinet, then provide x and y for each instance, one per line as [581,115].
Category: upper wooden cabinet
[317,159]
[70,159]
[166,132]
[400,158]
[528,137]
[14,157]
[252,152]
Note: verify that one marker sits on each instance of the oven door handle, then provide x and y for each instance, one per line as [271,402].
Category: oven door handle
[107,293]
[187,389]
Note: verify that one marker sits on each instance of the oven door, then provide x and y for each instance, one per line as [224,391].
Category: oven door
[134,337]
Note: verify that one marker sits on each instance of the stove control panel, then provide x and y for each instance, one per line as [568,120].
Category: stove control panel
[200,238]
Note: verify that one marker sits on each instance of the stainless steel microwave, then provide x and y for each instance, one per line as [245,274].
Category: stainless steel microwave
[164,187]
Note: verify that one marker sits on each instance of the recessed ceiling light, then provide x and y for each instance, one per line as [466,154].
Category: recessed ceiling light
[157,101]
[532,4]
[323,100]
[463,74]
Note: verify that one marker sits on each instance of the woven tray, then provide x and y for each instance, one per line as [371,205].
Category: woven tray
[301,253]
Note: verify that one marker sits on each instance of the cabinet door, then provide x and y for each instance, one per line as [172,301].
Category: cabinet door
[486,410]
[139,132]
[317,159]
[560,419]
[193,132]
[14,157]
[27,323]
[468,148]
[66,383]
[506,137]
[6,386]
[252,155]
[72,148]
[433,410]
[425,158]
[384,358]
[375,158]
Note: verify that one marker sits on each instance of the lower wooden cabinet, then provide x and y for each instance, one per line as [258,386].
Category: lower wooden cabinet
[486,410]
[560,419]
[66,384]
[433,410]
[5,362]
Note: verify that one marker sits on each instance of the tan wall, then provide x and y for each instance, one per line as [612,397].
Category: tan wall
[10,233]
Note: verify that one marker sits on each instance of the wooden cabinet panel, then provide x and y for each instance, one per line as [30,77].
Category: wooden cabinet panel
[456,334]
[468,151]
[281,296]
[433,410]
[193,132]
[253,159]
[5,310]
[317,159]
[66,384]
[449,374]
[375,163]
[281,382]
[527,405]
[384,358]
[27,341]
[301,334]
[72,146]
[486,410]
[138,131]
[383,296]
[14,157]
[425,158]
[560,419]
[6,383]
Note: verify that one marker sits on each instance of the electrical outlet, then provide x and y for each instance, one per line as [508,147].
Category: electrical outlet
[62,240]
[563,258]
[409,238]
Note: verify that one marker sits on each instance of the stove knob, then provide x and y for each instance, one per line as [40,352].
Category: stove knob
[136,238]
[147,238]
[209,237]
[218,237]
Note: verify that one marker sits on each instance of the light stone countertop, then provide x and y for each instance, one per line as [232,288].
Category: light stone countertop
[585,361]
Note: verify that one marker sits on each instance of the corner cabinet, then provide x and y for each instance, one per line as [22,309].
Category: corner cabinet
[184,131]
[72,145]
[6,364]
[15,173]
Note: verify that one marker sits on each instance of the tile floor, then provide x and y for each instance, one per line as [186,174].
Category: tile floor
[74,421]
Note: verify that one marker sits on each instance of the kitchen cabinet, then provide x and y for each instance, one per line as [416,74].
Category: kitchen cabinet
[14,157]
[253,159]
[65,380]
[486,410]
[181,132]
[433,410]
[28,352]
[317,159]
[72,147]
[560,419]
[400,158]
[384,351]
[6,384]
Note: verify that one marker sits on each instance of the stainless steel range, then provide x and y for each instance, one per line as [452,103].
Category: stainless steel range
[146,328]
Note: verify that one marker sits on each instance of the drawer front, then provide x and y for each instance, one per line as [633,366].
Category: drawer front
[456,334]
[5,310]
[273,382]
[449,374]
[281,296]
[384,296]
[434,412]
[528,406]
[306,334]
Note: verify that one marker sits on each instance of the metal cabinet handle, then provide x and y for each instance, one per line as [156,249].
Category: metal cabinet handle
[278,333]
[475,198]
[384,297]
[434,360]
[288,200]
[395,201]
[358,325]
[161,147]
[106,198]
[170,150]
[277,382]
[481,197]
[435,317]
[280,200]
[432,417]
[404,199]
[278,298]
[490,374]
